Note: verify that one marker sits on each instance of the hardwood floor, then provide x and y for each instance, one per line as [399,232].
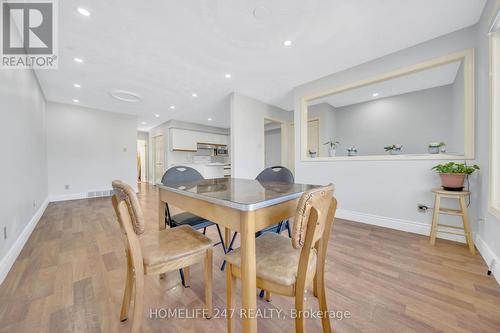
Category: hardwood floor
[71,274]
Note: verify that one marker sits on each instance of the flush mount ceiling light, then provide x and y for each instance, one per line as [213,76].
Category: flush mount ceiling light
[227,76]
[83,11]
[78,60]
[172,107]
[76,85]
[375,94]
[125,96]
[157,115]
[76,101]
[194,95]
[287,43]
[209,119]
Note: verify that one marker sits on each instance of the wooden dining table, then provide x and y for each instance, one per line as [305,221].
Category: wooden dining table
[242,205]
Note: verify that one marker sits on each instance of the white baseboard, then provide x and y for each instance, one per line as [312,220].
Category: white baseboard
[66,197]
[11,256]
[489,256]
[393,223]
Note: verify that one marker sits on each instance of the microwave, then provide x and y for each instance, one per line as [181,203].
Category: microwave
[221,151]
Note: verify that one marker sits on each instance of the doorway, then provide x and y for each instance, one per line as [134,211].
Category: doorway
[274,147]
[142,161]
[159,158]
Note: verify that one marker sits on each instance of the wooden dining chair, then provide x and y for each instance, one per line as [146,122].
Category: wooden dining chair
[155,252]
[301,261]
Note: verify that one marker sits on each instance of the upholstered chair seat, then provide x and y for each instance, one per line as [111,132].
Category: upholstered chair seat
[160,247]
[277,260]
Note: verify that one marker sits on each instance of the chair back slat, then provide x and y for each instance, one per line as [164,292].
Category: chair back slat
[319,200]
[124,192]
[276,174]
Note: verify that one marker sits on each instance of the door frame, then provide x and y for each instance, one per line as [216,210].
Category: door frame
[283,145]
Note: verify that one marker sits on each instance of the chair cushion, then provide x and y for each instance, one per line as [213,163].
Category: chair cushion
[277,260]
[162,246]
[192,220]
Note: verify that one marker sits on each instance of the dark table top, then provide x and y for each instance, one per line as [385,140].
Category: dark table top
[237,193]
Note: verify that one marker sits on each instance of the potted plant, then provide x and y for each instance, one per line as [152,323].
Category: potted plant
[332,149]
[453,174]
[312,153]
[352,151]
[436,147]
[394,149]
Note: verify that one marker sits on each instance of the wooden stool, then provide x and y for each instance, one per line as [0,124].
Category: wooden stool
[460,195]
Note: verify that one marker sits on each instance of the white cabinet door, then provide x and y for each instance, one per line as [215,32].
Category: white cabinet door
[183,140]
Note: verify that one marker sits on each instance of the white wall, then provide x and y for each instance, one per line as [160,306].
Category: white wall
[382,192]
[488,229]
[247,134]
[272,147]
[87,149]
[324,112]
[23,164]
[413,120]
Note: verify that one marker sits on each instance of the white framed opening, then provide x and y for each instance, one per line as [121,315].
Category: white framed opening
[494,197]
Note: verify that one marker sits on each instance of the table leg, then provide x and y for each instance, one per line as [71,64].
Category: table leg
[248,274]
[227,237]
[161,215]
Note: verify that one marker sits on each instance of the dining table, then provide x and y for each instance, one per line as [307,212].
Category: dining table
[242,205]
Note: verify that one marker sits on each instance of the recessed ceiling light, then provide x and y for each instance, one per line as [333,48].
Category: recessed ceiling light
[78,60]
[375,94]
[125,96]
[209,119]
[172,107]
[83,11]
[76,85]
[287,43]
[76,101]
[194,94]
[228,76]
[157,115]
[143,123]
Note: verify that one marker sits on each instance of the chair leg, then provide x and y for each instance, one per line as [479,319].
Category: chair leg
[129,284]
[181,273]
[230,286]
[299,307]
[221,239]
[323,306]
[261,294]
[287,225]
[138,301]
[186,276]
[229,249]
[205,230]
[208,283]
[268,296]
[280,225]
[315,285]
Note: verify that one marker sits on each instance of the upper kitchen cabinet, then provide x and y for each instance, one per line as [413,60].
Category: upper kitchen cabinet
[187,140]
[183,140]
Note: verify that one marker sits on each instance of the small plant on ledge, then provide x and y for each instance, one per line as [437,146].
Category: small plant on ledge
[394,149]
[436,147]
[333,147]
[453,174]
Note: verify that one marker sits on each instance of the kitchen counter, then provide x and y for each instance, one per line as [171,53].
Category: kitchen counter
[207,170]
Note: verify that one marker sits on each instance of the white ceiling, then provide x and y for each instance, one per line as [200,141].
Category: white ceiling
[426,79]
[166,50]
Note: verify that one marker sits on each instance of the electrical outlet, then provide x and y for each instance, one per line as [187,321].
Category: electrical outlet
[66,187]
[422,208]
[5,232]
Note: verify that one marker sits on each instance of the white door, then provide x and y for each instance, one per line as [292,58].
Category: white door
[159,158]
[313,136]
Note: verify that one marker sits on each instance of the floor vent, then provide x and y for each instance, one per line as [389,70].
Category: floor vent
[99,194]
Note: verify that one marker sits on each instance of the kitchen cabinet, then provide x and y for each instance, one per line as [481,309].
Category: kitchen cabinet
[187,140]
